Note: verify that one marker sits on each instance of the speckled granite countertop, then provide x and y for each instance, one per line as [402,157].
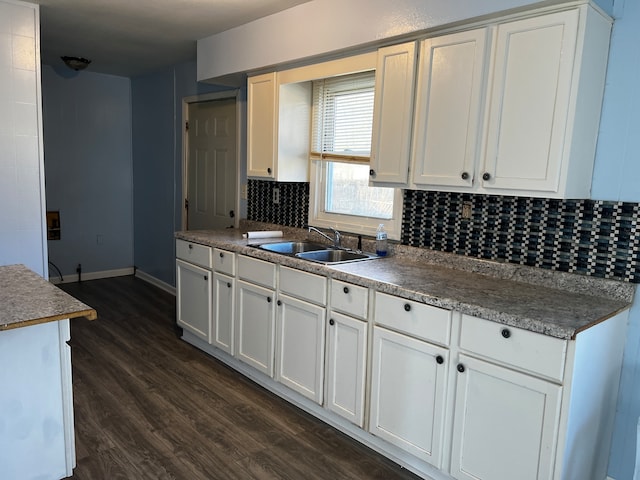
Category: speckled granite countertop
[28,299]
[553,303]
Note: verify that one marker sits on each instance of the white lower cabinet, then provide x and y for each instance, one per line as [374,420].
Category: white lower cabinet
[300,346]
[223,309]
[254,326]
[300,331]
[346,365]
[476,399]
[505,423]
[193,312]
[408,393]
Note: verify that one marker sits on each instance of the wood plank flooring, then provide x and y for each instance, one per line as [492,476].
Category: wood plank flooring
[150,406]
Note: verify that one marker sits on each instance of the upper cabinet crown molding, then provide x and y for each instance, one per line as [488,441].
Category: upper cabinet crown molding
[511,107]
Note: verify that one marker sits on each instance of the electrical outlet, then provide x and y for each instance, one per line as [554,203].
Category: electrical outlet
[244,191]
[99,239]
[276,196]
[466,210]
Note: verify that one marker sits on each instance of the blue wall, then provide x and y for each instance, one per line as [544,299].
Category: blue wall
[157,164]
[88,169]
[616,175]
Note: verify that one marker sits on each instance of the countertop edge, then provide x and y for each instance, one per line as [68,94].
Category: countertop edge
[27,299]
[90,314]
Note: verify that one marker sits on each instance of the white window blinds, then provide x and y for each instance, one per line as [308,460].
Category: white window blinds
[343,118]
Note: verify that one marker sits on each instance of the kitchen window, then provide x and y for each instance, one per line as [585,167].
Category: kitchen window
[342,118]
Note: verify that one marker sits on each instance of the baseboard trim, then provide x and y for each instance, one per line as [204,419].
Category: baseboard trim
[119,272]
[609,478]
[155,282]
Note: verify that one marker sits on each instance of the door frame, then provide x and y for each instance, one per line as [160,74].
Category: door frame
[207,97]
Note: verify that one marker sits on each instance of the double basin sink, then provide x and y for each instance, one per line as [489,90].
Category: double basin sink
[316,252]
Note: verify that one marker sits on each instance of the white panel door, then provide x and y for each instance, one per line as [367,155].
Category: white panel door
[211,165]
[407,394]
[193,285]
[300,347]
[530,95]
[254,326]
[223,311]
[393,114]
[261,125]
[346,364]
[505,424]
[448,108]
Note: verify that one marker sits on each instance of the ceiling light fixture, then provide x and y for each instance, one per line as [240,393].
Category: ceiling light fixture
[76,63]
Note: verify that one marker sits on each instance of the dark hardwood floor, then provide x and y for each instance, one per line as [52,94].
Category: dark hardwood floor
[150,406]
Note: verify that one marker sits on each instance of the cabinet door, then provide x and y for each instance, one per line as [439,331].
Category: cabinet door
[530,96]
[393,114]
[223,310]
[407,394]
[505,424]
[448,108]
[300,347]
[255,321]
[261,125]
[193,285]
[347,352]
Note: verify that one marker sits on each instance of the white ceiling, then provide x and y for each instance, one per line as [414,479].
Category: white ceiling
[134,37]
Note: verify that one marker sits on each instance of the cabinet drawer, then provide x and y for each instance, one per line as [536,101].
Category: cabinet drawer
[307,286]
[516,347]
[224,261]
[194,253]
[413,318]
[350,299]
[257,271]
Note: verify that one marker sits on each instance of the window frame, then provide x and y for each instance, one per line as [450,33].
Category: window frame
[317,184]
[318,217]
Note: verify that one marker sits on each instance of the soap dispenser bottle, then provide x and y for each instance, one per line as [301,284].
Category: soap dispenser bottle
[381,241]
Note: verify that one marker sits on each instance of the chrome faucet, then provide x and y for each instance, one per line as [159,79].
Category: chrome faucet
[336,235]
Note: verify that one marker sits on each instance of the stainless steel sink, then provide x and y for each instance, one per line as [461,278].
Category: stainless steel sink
[315,252]
[291,248]
[334,256]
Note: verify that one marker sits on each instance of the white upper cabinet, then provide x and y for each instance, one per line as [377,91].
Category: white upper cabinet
[261,125]
[278,119]
[393,114]
[512,108]
[448,107]
[535,86]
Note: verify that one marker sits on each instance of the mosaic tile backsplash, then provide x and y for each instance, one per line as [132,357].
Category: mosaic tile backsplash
[293,209]
[588,237]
